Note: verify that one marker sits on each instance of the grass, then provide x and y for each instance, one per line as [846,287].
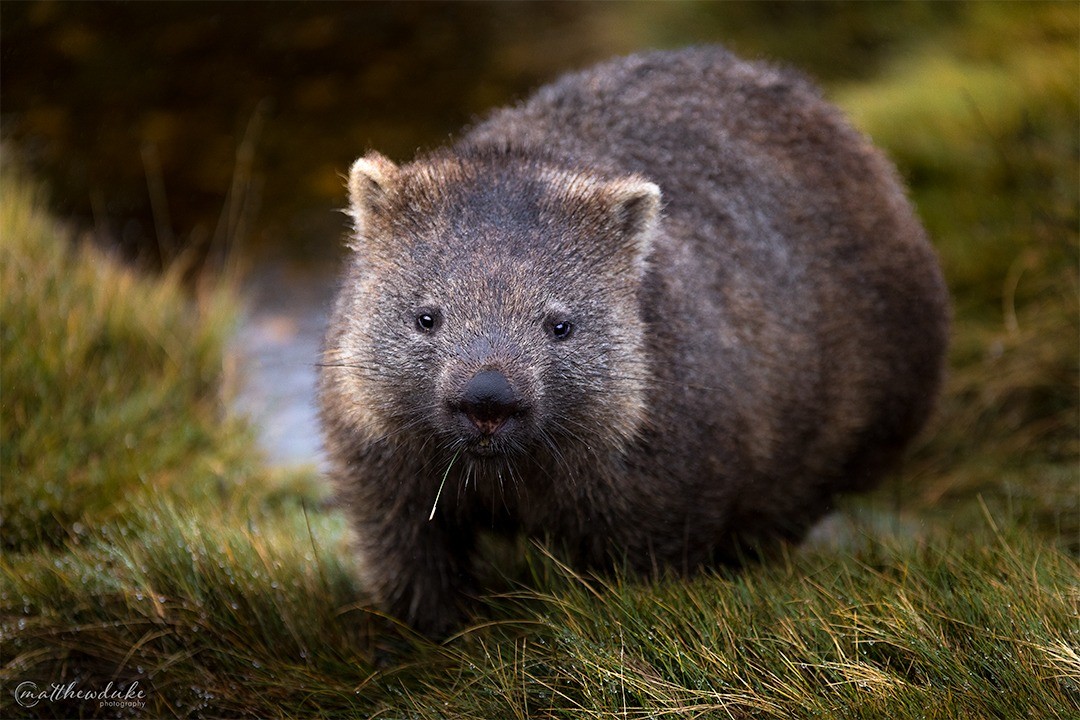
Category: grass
[109,383]
[145,540]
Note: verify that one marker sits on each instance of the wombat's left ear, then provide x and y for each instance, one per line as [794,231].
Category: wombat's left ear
[371,180]
[635,204]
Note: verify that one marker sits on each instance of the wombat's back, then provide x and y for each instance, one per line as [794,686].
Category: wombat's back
[799,317]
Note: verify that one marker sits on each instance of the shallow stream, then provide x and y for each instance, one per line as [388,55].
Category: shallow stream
[277,347]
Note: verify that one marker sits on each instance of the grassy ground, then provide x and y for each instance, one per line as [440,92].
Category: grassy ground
[144,540]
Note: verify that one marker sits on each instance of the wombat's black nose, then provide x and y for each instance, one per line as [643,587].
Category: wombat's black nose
[488,401]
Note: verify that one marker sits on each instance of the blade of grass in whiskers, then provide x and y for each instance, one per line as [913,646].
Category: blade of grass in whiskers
[444,476]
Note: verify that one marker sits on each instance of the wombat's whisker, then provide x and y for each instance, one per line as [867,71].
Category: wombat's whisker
[447,472]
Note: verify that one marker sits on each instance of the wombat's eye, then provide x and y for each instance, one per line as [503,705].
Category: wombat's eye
[562,329]
[427,320]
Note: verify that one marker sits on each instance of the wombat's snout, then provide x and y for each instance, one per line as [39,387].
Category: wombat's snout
[489,401]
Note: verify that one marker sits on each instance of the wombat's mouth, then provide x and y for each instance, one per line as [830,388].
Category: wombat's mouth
[484,447]
[499,441]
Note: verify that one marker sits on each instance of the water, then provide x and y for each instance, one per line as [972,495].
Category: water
[278,345]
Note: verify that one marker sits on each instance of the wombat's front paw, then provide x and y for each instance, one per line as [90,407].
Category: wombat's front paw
[434,614]
[430,597]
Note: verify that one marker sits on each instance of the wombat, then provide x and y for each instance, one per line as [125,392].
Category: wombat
[660,314]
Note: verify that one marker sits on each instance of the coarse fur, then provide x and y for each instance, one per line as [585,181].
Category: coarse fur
[705,301]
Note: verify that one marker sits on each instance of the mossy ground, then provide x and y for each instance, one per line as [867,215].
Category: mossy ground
[144,539]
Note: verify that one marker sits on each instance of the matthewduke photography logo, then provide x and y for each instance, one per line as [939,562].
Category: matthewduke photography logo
[114,695]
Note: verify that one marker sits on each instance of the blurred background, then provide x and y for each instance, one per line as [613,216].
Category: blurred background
[217,134]
[197,127]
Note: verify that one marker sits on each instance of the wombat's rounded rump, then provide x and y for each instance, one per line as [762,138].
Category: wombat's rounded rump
[660,313]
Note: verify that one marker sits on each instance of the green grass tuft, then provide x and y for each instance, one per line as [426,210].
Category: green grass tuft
[110,383]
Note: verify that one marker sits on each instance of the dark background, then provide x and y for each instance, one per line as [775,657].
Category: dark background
[206,130]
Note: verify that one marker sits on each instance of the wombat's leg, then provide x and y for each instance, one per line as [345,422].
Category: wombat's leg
[419,572]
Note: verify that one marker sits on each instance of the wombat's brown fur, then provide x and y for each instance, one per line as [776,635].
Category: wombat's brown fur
[660,313]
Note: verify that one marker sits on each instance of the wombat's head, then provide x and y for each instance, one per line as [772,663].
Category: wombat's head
[492,305]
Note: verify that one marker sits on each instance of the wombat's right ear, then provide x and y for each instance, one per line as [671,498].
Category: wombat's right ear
[635,204]
[371,179]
